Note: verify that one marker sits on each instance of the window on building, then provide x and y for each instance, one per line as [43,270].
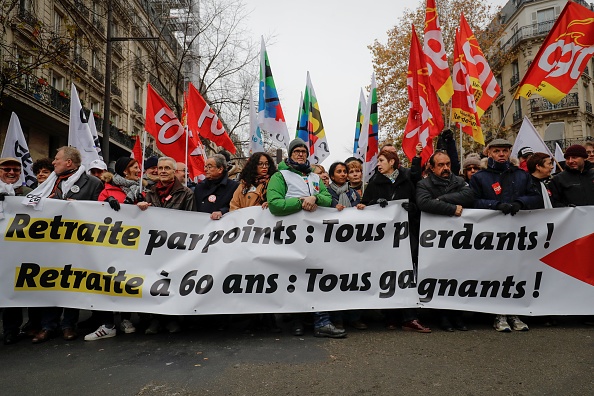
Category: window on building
[115,74]
[137,94]
[517,110]
[58,82]
[501,111]
[26,5]
[115,119]
[95,60]
[58,22]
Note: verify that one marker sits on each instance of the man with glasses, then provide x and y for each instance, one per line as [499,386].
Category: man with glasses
[293,188]
[10,173]
[214,194]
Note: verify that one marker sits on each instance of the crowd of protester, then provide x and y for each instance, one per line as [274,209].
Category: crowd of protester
[444,186]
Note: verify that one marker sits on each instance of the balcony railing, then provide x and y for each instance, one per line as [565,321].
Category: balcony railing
[28,17]
[138,66]
[586,71]
[81,8]
[517,116]
[97,75]
[138,108]
[514,79]
[565,143]
[117,46]
[82,62]
[541,104]
[588,107]
[115,90]
[98,24]
[526,32]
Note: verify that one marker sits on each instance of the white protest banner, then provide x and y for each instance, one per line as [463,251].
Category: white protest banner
[79,131]
[85,255]
[528,136]
[534,263]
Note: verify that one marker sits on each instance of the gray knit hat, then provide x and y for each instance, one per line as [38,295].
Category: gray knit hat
[297,142]
[472,159]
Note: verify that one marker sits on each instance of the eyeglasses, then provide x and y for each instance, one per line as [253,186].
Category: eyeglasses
[300,152]
[11,169]
[264,164]
[472,167]
[209,166]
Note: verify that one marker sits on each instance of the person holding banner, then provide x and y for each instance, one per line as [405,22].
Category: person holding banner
[68,181]
[355,174]
[12,318]
[214,194]
[293,188]
[124,185]
[167,193]
[253,184]
[445,194]
[389,183]
[504,187]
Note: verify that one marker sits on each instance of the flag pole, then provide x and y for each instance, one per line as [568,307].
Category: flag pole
[186,156]
[142,158]
[461,148]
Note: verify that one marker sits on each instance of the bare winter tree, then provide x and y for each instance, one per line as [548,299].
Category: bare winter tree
[215,53]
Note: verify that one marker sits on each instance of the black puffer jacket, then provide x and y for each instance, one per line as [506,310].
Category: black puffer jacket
[441,196]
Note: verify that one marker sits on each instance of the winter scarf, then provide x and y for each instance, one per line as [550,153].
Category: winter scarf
[303,168]
[341,191]
[130,187]
[51,184]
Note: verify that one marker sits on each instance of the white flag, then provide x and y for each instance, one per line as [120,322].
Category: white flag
[94,133]
[256,142]
[559,156]
[15,146]
[529,137]
[79,132]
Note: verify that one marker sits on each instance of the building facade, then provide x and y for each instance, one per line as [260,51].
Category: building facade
[144,50]
[571,121]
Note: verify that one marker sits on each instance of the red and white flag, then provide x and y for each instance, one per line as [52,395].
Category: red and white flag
[424,115]
[435,55]
[204,122]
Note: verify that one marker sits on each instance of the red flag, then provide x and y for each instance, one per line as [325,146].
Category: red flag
[464,110]
[435,54]
[137,150]
[164,126]
[424,116]
[562,57]
[204,122]
[196,153]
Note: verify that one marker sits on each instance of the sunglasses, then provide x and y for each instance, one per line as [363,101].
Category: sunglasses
[10,169]
[472,167]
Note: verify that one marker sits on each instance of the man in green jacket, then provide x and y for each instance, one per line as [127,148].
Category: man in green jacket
[293,188]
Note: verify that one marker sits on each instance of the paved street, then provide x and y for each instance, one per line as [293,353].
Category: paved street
[544,361]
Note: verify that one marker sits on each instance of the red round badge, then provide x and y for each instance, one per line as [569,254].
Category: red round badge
[212,198]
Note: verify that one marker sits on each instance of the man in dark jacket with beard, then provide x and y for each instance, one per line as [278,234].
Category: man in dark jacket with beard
[444,193]
[214,194]
[575,185]
[504,187]
[441,192]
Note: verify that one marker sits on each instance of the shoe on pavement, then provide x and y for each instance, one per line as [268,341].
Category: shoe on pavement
[500,324]
[517,324]
[153,328]
[358,324]
[127,327]
[415,325]
[11,337]
[101,333]
[43,336]
[298,328]
[329,330]
[69,334]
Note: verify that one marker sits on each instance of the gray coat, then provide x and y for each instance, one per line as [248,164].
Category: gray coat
[89,188]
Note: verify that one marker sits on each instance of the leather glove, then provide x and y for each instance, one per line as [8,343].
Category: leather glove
[505,208]
[140,198]
[409,206]
[516,206]
[2,195]
[383,202]
[115,205]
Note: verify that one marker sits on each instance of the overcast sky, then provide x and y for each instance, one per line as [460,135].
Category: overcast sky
[328,38]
